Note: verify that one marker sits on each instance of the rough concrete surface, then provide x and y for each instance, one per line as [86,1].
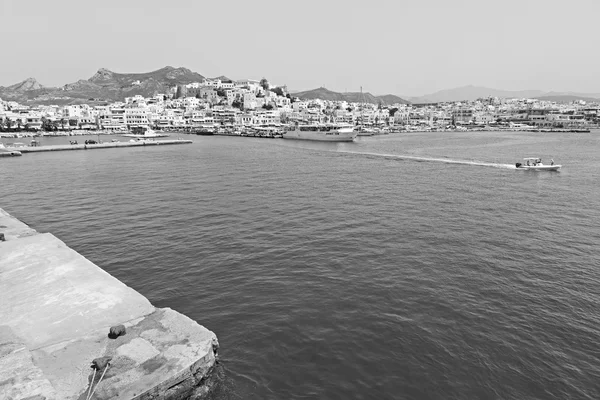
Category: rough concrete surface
[57,308]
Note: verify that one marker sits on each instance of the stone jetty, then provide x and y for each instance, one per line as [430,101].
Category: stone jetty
[104,145]
[59,312]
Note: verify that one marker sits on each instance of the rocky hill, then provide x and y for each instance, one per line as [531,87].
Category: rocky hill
[27,84]
[351,97]
[104,86]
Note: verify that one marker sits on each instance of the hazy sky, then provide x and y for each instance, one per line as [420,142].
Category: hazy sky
[401,47]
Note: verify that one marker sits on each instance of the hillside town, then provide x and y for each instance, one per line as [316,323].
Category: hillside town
[215,105]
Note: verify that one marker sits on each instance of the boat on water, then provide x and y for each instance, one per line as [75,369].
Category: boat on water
[364,131]
[4,152]
[144,133]
[205,130]
[535,164]
[332,132]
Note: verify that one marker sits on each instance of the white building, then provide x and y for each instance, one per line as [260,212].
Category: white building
[137,117]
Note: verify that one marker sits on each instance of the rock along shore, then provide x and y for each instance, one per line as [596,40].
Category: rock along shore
[57,309]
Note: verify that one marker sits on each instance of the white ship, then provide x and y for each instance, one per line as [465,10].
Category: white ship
[322,132]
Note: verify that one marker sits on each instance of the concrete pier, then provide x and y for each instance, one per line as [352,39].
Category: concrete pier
[56,310]
[106,145]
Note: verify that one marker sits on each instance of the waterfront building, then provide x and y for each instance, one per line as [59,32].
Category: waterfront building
[244,119]
[33,122]
[463,115]
[224,116]
[483,118]
[136,117]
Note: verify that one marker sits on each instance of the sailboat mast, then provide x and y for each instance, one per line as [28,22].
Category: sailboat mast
[362,107]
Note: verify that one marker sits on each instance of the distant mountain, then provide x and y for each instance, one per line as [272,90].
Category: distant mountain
[469,93]
[392,99]
[576,94]
[103,86]
[351,97]
[223,78]
[27,84]
[106,86]
[568,98]
[167,75]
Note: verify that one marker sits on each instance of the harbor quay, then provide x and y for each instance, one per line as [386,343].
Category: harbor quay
[69,330]
[96,145]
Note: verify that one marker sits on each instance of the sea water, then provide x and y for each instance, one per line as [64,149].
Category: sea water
[401,266]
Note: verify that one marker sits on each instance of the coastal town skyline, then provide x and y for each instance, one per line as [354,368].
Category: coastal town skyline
[404,49]
[443,95]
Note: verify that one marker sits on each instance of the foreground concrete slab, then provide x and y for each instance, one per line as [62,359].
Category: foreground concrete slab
[57,308]
[11,228]
[19,376]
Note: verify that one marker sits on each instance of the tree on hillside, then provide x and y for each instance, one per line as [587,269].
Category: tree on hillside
[237,104]
[19,123]
[264,83]
[268,106]
[278,91]
[393,111]
[221,93]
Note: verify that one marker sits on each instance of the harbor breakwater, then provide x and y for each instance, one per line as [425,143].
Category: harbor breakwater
[105,145]
[69,330]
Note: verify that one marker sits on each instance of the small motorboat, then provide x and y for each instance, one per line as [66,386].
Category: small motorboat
[535,164]
[4,152]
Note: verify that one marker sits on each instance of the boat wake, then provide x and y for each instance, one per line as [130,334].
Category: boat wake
[433,159]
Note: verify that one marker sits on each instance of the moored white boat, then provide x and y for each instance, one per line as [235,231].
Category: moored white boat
[535,164]
[364,131]
[4,152]
[144,133]
[322,132]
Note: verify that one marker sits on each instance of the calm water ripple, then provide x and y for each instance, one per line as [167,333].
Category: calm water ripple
[350,271]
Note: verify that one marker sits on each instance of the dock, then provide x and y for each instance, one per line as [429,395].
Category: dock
[104,145]
[60,312]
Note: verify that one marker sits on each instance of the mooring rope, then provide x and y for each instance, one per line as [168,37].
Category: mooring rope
[87,397]
[100,380]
